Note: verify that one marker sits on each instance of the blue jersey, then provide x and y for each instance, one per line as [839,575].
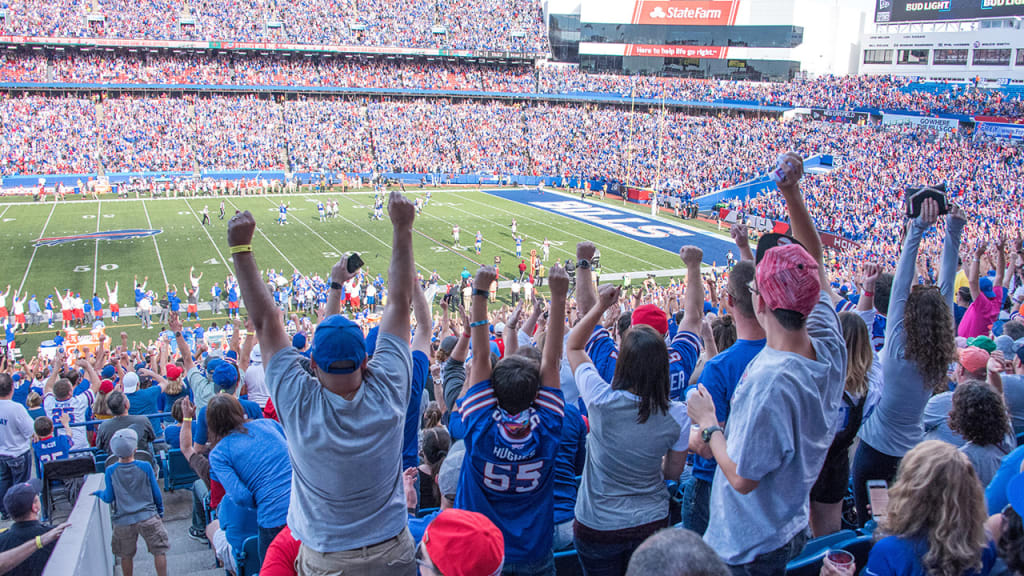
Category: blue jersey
[53,447]
[899,556]
[519,243]
[683,352]
[199,432]
[511,479]
[411,445]
[96,304]
[572,453]
[232,294]
[49,303]
[878,332]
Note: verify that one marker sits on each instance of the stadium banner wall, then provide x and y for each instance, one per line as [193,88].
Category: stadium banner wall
[829,115]
[999,119]
[937,10]
[766,225]
[261,46]
[678,51]
[939,124]
[689,12]
[993,130]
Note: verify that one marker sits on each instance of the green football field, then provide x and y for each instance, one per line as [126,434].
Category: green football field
[306,243]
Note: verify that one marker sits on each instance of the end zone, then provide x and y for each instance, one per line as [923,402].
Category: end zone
[655,232]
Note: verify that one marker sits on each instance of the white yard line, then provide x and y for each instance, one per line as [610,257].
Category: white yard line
[223,260]
[272,245]
[96,257]
[158,258]
[36,249]
[5,211]
[563,232]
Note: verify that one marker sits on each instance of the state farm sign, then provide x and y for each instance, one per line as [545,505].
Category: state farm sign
[686,12]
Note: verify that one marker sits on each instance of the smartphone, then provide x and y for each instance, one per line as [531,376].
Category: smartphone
[878,497]
[354,262]
[915,197]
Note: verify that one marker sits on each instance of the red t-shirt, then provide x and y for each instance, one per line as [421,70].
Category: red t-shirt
[281,555]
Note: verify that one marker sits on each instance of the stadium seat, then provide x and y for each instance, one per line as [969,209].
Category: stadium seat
[139,455]
[567,563]
[176,471]
[248,560]
[825,542]
[426,512]
[809,561]
[860,546]
[64,478]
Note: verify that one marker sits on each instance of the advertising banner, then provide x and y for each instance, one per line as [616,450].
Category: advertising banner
[676,51]
[838,115]
[926,122]
[686,12]
[935,10]
[990,130]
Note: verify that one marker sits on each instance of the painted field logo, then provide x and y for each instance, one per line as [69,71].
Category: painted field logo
[111,235]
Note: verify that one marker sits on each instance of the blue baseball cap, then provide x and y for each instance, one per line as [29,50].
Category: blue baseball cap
[985,285]
[107,372]
[15,377]
[299,340]
[338,345]
[371,340]
[223,374]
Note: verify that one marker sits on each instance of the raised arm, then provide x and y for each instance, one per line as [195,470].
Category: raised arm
[740,236]
[575,347]
[551,358]
[974,271]
[538,308]
[586,293]
[871,273]
[339,277]
[402,273]
[951,253]
[1000,262]
[481,366]
[188,413]
[258,301]
[90,373]
[512,330]
[905,269]
[694,297]
[792,167]
[174,323]
[424,323]
[55,368]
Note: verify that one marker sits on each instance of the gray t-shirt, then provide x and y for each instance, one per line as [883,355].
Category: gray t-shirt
[1013,392]
[936,420]
[780,428]
[622,483]
[202,388]
[985,459]
[346,454]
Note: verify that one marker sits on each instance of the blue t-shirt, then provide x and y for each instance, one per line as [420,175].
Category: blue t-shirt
[898,556]
[143,401]
[199,436]
[878,332]
[720,376]
[995,493]
[172,435]
[511,480]
[418,526]
[572,454]
[683,352]
[55,447]
[410,444]
[255,470]
[23,389]
[237,522]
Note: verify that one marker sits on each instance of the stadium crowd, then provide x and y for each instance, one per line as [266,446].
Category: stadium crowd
[512,25]
[485,439]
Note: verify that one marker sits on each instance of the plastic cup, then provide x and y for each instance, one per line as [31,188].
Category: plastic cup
[840,559]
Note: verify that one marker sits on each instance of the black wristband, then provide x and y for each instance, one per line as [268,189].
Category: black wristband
[177,334]
[479,292]
[335,285]
[583,264]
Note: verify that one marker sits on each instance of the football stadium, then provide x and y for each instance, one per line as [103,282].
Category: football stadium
[306,287]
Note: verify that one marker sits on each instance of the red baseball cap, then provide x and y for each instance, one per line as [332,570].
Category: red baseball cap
[652,316]
[787,275]
[106,387]
[173,371]
[464,543]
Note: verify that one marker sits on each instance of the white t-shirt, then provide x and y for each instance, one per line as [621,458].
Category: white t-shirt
[75,407]
[15,429]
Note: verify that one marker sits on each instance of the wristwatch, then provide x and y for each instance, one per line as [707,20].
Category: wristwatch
[583,264]
[480,292]
[335,285]
[706,433]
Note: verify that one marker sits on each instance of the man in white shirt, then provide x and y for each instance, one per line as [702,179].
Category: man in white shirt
[15,440]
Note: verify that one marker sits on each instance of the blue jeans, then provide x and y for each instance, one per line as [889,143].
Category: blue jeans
[605,558]
[542,567]
[199,494]
[772,563]
[13,470]
[697,505]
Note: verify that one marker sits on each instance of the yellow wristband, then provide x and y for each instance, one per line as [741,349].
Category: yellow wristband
[39,542]
[241,248]
[186,419]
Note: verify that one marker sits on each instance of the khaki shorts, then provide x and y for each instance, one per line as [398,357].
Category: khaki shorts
[395,557]
[126,537]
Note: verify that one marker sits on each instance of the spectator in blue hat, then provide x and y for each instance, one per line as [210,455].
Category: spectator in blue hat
[201,384]
[224,375]
[344,422]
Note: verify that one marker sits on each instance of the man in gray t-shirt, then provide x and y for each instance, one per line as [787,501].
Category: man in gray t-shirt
[784,409]
[345,425]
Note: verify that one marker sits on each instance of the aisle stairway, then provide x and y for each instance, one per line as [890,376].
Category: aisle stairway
[186,557]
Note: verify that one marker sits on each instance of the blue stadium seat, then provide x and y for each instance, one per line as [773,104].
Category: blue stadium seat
[176,471]
[825,542]
[248,560]
[426,512]
[567,563]
[809,561]
[860,546]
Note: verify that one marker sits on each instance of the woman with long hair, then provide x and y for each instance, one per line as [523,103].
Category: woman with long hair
[979,416]
[250,460]
[935,523]
[434,445]
[638,439]
[863,384]
[919,346]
